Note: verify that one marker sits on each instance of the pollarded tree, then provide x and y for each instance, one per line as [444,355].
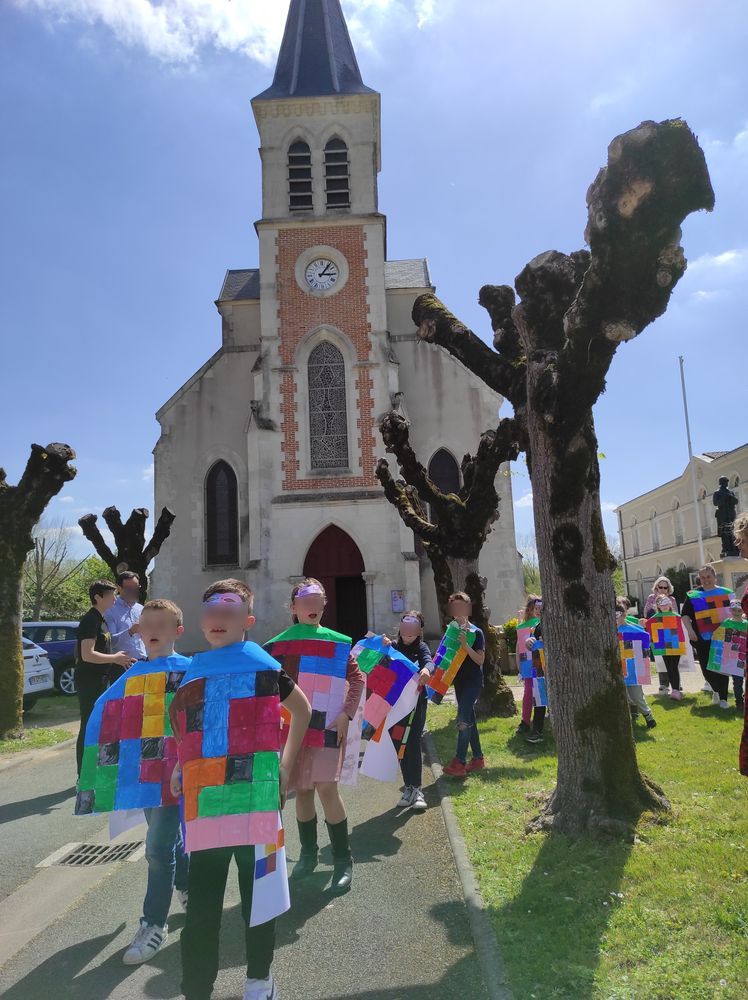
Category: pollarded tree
[21,507]
[456,528]
[129,538]
[552,353]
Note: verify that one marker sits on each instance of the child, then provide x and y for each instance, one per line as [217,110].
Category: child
[665,604]
[539,711]
[663,588]
[410,642]
[529,619]
[468,684]
[634,692]
[226,718]
[94,657]
[335,699]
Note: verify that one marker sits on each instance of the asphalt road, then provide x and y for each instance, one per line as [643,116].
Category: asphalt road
[401,934]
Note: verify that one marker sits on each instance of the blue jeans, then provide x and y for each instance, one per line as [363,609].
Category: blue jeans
[167,862]
[467,726]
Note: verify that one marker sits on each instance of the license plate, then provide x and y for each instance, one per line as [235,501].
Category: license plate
[39,679]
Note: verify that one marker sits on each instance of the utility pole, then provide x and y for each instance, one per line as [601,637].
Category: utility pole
[697,513]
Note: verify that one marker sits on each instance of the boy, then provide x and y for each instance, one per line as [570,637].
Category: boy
[161,623]
[634,692]
[226,718]
[93,655]
[468,685]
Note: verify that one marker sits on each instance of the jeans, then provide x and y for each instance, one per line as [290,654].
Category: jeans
[199,943]
[412,763]
[167,862]
[467,726]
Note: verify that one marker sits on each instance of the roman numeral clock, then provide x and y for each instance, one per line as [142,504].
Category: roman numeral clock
[322,274]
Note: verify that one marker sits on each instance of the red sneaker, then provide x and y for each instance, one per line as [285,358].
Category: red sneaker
[456,769]
[476,764]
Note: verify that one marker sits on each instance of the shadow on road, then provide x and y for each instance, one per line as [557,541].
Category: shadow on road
[39,805]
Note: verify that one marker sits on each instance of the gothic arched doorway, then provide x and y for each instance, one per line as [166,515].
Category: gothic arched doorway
[336,561]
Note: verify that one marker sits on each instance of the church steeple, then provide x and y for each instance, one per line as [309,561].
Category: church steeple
[316,57]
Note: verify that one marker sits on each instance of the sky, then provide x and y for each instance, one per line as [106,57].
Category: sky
[130,181]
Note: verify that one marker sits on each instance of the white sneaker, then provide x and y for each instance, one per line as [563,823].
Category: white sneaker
[406,798]
[182,897]
[723,704]
[148,940]
[715,698]
[417,802]
[261,989]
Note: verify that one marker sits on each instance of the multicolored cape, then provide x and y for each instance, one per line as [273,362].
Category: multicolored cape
[727,653]
[711,608]
[226,719]
[316,658]
[387,672]
[523,654]
[666,634]
[386,747]
[129,751]
[633,644]
[449,658]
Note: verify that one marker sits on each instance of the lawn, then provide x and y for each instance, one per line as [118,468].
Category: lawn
[664,918]
[42,724]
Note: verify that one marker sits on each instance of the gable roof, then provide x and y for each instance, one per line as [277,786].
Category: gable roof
[243,284]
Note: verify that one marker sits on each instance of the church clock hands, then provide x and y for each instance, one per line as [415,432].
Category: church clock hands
[322,274]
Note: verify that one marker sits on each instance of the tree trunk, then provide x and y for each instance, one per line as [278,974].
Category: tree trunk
[600,787]
[11,650]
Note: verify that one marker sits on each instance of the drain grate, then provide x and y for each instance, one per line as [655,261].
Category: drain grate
[85,855]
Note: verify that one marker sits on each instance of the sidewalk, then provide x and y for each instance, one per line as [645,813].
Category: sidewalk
[401,934]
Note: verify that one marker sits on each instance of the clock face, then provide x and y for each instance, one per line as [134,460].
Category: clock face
[322,274]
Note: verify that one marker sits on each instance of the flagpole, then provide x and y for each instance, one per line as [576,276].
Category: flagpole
[691,465]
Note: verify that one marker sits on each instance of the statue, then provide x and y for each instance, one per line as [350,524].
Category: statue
[726,503]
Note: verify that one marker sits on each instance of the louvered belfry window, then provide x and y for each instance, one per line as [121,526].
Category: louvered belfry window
[300,177]
[337,174]
[221,516]
[328,419]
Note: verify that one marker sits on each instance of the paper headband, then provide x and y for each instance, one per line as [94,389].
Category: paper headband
[309,590]
[216,599]
[410,620]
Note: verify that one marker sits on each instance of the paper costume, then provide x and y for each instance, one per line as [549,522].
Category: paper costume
[316,658]
[666,634]
[130,751]
[387,745]
[531,662]
[449,658]
[711,608]
[727,653]
[633,644]
[387,672]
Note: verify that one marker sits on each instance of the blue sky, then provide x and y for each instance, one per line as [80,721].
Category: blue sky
[130,182]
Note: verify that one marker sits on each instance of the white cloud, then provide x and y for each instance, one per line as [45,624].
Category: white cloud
[729,261]
[175,31]
[65,499]
[608,506]
[524,501]
[148,473]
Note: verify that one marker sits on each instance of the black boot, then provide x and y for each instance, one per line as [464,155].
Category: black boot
[342,872]
[309,853]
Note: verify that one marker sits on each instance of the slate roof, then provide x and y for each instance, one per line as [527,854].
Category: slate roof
[240,285]
[316,56]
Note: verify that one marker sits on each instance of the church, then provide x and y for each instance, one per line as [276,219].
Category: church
[267,455]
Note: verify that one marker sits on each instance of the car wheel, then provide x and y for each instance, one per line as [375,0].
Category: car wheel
[65,680]
[29,701]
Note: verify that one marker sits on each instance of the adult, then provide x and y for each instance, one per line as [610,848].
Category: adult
[123,618]
[740,533]
[662,587]
[700,635]
[94,657]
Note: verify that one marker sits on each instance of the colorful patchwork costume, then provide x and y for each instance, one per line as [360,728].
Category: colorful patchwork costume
[320,662]
[387,672]
[633,644]
[666,634]
[449,658]
[711,608]
[130,751]
[531,662]
[727,653]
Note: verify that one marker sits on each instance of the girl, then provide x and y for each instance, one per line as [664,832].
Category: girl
[533,610]
[410,642]
[527,616]
[335,693]
[468,685]
[662,587]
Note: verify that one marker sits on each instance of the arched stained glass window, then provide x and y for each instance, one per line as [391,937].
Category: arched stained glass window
[221,516]
[328,419]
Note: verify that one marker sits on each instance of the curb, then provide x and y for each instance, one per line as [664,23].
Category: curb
[484,937]
[23,756]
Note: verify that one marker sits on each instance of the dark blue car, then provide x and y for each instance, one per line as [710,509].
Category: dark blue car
[58,639]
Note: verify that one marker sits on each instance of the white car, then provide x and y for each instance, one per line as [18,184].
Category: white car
[38,674]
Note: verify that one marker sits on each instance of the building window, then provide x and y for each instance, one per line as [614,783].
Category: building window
[337,174]
[221,516]
[328,416]
[444,473]
[300,177]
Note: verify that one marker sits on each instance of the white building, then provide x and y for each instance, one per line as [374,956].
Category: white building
[267,454]
[658,530]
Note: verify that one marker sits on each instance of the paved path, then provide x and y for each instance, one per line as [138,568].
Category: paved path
[401,934]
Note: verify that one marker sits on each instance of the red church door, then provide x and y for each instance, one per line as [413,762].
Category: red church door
[336,561]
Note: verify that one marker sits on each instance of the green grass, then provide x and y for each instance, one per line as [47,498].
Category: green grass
[664,918]
[35,739]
